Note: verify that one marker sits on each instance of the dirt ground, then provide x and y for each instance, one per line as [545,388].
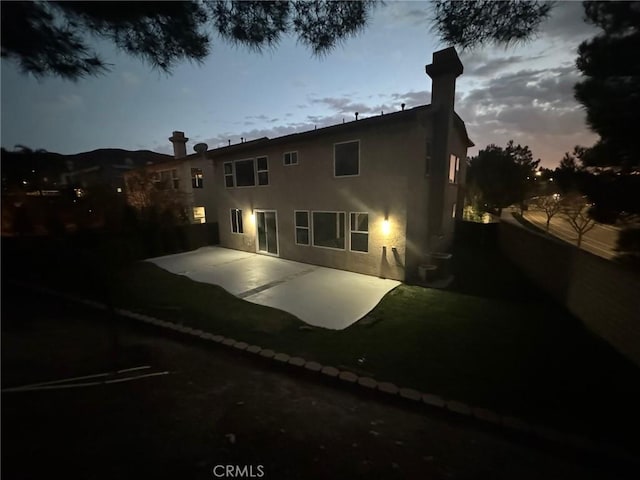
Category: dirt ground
[217,408]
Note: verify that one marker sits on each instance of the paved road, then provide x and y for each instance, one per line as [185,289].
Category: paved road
[601,240]
[216,408]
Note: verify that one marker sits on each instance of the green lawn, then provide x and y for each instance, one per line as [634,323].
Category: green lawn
[491,340]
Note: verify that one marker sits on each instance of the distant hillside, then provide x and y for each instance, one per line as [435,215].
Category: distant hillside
[106,156]
[43,169]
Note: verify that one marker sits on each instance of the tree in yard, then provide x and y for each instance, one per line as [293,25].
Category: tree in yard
[153,200]
[575,208]
[550,205]
[526,168]
[471,23]
[569,175]
[502,177]
[610,93]
[53,38]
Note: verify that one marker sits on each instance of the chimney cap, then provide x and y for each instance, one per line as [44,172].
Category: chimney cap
[178,136]
[445,62]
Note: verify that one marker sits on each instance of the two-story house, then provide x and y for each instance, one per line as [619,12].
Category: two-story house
[373,196]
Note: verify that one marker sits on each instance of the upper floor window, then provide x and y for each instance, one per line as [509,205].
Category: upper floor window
[168,179]
[346,159]
[262,165]
[228,174]
[245,173]
[454,167]
[197,178]
[290,158]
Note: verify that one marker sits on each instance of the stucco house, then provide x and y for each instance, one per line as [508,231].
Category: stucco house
[373,196]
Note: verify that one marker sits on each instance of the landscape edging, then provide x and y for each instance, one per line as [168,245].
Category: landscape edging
[344,377]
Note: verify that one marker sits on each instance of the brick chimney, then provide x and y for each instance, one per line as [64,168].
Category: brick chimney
[179,144]
[444,70]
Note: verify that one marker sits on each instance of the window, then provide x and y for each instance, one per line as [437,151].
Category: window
[427,161]
[302,227]
[169,179]
[346,159]
[454,166]
[245,173]
[236,221]
[197,178]
[328,229]
[242,173]
[291,158]
[199,215]
[262,164]
[359,226]
[453,211]
[228,174]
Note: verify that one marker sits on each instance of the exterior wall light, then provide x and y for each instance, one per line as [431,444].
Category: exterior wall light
[386,227]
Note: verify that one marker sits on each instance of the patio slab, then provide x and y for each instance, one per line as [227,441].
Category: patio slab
[319,296]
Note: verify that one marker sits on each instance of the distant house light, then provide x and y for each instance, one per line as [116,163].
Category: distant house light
[119,189]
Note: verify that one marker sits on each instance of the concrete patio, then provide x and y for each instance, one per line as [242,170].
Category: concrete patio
[320,296]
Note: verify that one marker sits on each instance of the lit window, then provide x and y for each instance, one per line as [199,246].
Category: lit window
[454,167]
[236,221]
[119,189]
[346,159]
[199,215]
[197,178]
[328,229]
[228,174]
[262,164]
[359,227]
[453,211]
[291,158]
[302,227]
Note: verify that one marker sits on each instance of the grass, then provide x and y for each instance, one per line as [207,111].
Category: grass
[492,340]
[519,355]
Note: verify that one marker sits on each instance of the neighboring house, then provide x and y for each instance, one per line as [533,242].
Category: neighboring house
[190,177]
[374,196]
[48,186]
[105,167]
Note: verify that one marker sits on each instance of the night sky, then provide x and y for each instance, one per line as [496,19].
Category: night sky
[524,92]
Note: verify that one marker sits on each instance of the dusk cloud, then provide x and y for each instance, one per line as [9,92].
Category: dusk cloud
[527,106]
[567,23]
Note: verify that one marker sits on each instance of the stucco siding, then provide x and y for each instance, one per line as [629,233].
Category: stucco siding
[386,188]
